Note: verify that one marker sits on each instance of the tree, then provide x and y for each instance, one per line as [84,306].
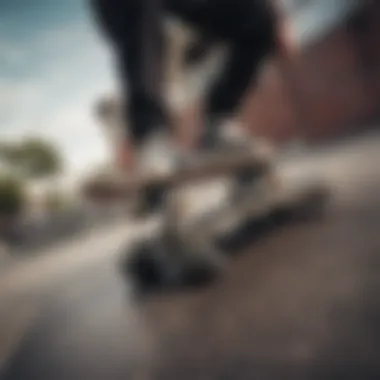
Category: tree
[36,158]
[7,152]
[22,163]
[33,158]
[12,203]
[12,196]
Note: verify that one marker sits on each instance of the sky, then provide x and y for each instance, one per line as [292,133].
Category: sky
[54,66]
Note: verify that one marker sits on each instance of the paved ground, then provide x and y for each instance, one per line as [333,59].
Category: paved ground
[301,302]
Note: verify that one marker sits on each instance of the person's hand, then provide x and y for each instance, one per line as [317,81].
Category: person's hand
[125,159]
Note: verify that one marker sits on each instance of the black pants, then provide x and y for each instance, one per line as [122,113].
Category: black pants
[135,29]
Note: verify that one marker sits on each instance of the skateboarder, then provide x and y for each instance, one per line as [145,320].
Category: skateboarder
[135,30]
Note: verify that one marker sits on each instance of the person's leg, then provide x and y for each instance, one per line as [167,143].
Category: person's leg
[141,68]
[248,30]
[240,72]
[134,28]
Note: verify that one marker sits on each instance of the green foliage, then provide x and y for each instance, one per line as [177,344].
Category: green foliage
[30,159]
[12,196]
[8,152]
[36,158]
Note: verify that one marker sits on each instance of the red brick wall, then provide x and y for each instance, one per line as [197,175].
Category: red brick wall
[333,86]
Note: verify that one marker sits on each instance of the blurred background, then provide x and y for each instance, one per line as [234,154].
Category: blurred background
[62,306]
[57,73]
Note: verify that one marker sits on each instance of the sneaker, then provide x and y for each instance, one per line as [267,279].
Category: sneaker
[233,136]
[159,156]
[226,136]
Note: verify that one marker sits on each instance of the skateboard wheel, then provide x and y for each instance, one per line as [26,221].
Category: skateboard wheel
[147,266]
[141,265]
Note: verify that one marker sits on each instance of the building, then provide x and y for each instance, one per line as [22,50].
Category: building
[332,86]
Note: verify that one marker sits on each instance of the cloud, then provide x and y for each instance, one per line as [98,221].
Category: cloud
[74,129]
[19,99]
[14,92]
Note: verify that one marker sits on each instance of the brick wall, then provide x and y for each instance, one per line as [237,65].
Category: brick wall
[327,90]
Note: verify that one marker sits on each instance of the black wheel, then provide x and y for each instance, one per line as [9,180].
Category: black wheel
[146,267]
[141,266]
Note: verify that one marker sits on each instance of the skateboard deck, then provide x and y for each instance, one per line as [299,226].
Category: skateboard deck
[257,202]
[205,168]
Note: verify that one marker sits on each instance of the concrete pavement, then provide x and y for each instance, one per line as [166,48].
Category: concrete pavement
[299,303]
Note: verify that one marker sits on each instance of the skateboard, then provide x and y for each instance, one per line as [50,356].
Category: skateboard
[184,250]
